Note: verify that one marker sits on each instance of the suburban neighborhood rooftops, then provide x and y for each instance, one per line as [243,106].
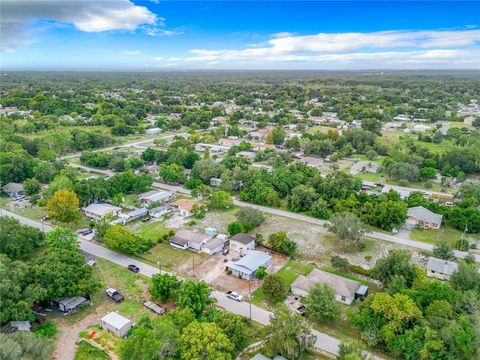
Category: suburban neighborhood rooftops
[116,320]
[101,209]
[423,214]
[155,195]
[243,238]
[213,243]
[12,187]
[441,266]
[341,285]
[138,212]
[185,204]
[251,261]
[190,236]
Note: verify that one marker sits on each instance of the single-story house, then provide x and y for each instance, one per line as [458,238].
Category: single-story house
[13,189]
[346,290]
[242,242]
[68,305]
[403,192]
[418,215]
[97,211]
[263,357]
[116,324]
[364,166]
[153,131]
[185,206]
[246,266]
[215,181]
[160,211]
[155,196]
[421,128]
[137,214]
[246,154]
[213,246]
[214,149]
[440,269]
[184,239]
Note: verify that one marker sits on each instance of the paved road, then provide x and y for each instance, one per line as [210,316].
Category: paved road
[323,342]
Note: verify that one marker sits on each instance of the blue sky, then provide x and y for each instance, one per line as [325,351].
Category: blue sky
[158,35]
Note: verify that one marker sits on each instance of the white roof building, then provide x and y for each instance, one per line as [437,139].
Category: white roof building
[116,324]
[97,211]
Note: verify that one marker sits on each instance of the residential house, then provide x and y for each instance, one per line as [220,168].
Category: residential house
[160,211]
[213,246]
[14,326]
[423,217]
[97,211]
[468,121]
[13,189]
[421,128]
[155,196]
[185,206]
[136,214]
[246,266]
[263,357]
[346,290]
[242,242]
[364,166]
[116,324]
[246,154]
[153,131]
[214,149]
[440,269]
[402,191]
[184,239]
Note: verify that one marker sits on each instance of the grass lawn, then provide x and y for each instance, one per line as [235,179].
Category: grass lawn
[288,273]
[368,176]
[131,199]
[153,230]
[85,351]
[445,233]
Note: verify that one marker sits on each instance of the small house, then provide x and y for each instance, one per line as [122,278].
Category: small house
[185,206]
[213,246]
[242,242]
[246,266]
[136,214]
[153,131]
[185,239]
[440,269]
[154,196]
[424,218]
[13,189]
[246,154]
[160,211]
[346,290]
[97,211]
[116,324]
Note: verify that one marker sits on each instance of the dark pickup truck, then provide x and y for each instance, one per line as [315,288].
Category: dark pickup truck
[114,295]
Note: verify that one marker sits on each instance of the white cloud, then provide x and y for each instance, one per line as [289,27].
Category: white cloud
[88,16]
[130,52]
[379,49]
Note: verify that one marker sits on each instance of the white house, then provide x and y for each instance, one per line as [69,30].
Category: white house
[364,166]
[155,196]
[346,290]
[160,211]
[97,211]
[213,246]
[153,131]
[246,266]
[242,242]
[246,154]
[185,239]
[440,269]
[116,324]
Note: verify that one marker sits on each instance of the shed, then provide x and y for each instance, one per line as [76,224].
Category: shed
[211,231]
[116,324]
[70,304]
[13,189]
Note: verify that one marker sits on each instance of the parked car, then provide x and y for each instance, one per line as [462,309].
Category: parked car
[114,295]
[133,268]
[148,218]
[86,232]
[301,310]
[235,296]
[91,263]
[225,251]
[449,203]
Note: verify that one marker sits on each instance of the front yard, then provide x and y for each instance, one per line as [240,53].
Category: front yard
[445,233]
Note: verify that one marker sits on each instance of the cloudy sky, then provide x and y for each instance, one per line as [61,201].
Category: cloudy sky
[157,35]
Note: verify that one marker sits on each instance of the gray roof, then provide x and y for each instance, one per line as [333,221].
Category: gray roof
[251,261]
[101,209]
[341,285]
[245,239]
[191,236]
[213,243]
[423,214]
[12,187]
[72,302]
[155,195]
[138,212]
[116,320]
[441,266]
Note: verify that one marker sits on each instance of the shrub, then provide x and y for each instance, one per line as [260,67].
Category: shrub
[261,272]
[47,329]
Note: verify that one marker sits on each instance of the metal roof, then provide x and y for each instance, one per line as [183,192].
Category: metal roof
[116,320]
[251,261]
[441,266]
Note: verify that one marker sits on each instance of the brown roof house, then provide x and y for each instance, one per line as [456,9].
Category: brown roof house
[346,290]
[242,242]
[185,206]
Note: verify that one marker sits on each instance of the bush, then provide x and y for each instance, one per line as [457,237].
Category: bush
[339,262]
[274,288]
[261,272]
[234,228]
[359,270]
[47,329]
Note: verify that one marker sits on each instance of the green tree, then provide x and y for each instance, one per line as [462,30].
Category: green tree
[234,228]
[164,286]
[124,240]
[466,277]
[261,272]
[281,243]
[352,351]
[194,295]
[102,225]
[205,341]
[63,206]
[23,345]
[18,241]
[62,238]
[31,186]
[172,173]
[349,228]
[321,304]
[302,198]
[443,250]
[290,335]
[221,200]
[397,263]
[234,326]
[206,169]
[249,218]
[274,288]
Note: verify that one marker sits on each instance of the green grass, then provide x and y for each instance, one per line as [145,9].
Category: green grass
[85,351]
[131,199]
[369,177]
[345,275]
[153,230]
[445,233]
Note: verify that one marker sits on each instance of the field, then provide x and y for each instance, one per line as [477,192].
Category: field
[85,351]
[445,233]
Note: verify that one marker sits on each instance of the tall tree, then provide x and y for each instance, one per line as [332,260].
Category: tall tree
[63,206]
[205,341]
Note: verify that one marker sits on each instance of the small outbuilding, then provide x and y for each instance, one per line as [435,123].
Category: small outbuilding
[13,189]
[116,324]
[440,269]
[71,304]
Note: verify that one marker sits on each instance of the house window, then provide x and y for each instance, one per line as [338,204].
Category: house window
[344,298]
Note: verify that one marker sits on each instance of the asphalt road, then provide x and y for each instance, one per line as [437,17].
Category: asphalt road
[323,342]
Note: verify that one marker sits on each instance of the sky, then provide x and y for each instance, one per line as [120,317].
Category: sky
[159,35]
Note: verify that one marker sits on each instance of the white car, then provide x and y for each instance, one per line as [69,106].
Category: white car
[235,296]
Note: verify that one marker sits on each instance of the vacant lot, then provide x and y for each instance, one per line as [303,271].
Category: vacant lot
[445,233]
